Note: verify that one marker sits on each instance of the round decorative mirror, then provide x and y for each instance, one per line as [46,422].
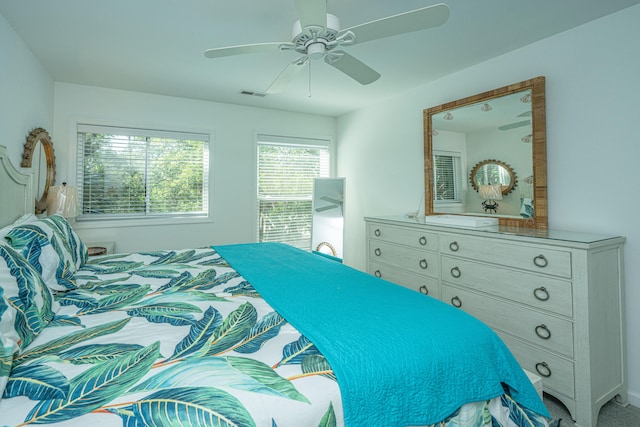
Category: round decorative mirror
[38,155]
[493,172]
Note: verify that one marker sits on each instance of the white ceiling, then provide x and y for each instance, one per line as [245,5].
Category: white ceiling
[157,46]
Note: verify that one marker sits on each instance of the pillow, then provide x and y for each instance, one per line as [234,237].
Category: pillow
[44,245]
[26,295]
[24,219]
[8,339]
[79,251]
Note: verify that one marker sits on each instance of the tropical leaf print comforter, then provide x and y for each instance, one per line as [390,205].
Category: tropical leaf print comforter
[174,338]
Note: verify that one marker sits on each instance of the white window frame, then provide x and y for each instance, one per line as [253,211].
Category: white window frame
[165,219]
[274,139]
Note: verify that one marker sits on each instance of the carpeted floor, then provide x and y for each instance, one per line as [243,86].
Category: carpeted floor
[611,415]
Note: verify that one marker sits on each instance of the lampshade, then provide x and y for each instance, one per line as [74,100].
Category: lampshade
[490,192]
[63,200]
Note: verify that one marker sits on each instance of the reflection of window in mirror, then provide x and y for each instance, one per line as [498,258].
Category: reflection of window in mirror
[448,178]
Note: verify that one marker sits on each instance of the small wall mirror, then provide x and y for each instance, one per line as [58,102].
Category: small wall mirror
[495,138]
[39,156]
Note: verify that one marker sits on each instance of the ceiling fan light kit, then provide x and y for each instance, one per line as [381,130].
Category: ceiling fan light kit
[317,33]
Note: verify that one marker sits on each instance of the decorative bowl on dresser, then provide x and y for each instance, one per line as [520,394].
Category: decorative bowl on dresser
[555,298]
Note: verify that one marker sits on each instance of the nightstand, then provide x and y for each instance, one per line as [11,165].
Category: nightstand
[100,248]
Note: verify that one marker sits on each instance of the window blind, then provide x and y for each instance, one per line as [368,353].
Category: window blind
[139,173]
[447,178]
[286,168]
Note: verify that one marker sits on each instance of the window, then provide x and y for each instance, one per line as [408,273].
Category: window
[447,177]
[286,169]
[128,173]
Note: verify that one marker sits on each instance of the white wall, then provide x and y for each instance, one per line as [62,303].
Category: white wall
[232,182]
[592,91]
[26,100]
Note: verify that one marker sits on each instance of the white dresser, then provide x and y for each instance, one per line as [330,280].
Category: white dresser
[555,298]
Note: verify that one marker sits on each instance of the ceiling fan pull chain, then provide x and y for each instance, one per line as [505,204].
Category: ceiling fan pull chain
[309,77]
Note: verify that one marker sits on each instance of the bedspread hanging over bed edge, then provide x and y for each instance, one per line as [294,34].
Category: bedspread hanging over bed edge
[401,358]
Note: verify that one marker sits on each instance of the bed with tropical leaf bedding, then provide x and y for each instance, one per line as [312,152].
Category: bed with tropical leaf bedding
[236,335]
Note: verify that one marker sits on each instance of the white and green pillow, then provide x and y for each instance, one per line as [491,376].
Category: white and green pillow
[8,338]
[24,219]
[53,248]
[24,290]
[78,250]
[26,307]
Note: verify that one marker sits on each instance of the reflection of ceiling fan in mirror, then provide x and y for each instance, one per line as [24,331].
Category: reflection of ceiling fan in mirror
[317,35]
[335,203]
[515,125]
[526,114]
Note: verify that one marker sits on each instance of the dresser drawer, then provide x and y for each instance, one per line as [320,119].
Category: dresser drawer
[544,292]
[417,282]
[404,236]
[422,262]
[533,326]
[557,373]
[531,258]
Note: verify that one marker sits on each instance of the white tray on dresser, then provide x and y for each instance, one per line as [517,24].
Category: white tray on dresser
[555,298]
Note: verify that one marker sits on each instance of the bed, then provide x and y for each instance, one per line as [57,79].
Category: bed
[233,335]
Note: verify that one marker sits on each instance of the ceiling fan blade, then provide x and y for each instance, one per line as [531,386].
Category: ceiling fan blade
[312,12]
[331,200]
[419,19]
[220,52]
[326,208]
[515,125]
[354,68]
[286,75]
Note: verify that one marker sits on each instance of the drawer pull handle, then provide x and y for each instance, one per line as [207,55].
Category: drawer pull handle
[541,293]
[543,332]
[543,369]
[423,264]
[424,290]
[454,246]
[540,261]
[377,251]
[422,240]
[377,232]
[455,272]
[378,274]
[456,302]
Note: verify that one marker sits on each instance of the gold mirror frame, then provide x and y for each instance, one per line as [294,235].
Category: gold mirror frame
[505,189]
[40,135]
[539,148]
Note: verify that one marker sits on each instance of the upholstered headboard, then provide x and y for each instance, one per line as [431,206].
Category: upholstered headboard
[16,194]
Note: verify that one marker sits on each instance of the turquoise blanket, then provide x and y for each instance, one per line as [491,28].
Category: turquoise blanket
[401,358]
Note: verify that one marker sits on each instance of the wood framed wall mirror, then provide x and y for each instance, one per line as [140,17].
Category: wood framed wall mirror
[39,156]
[505,126]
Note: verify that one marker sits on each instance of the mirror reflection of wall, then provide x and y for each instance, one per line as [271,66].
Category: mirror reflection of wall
[327,232]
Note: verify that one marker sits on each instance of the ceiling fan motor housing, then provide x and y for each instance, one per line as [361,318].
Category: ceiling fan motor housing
[315,40]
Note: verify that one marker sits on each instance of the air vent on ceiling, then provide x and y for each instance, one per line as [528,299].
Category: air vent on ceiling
[253,93]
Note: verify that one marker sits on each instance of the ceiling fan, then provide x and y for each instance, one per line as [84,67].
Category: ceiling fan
[317,34]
